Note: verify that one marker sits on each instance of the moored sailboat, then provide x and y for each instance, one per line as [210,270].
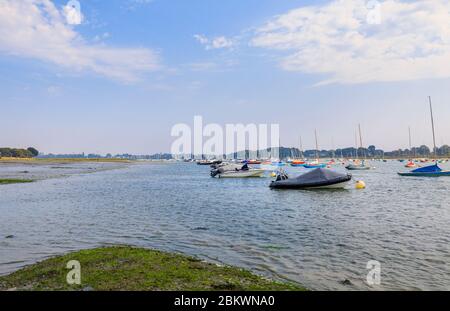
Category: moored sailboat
[431,170]
[359,166]
[316,163]
[300,162]
[410,163]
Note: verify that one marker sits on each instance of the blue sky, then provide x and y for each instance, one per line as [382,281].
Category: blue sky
[132,69]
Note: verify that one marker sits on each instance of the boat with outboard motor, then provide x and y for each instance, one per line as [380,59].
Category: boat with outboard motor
[319,178]
[236,171]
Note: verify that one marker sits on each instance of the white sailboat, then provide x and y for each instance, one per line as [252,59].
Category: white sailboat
[362,166]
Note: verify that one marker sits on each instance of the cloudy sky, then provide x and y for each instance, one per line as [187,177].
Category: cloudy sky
[118,76]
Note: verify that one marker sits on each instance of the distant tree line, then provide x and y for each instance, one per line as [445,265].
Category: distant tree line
[370,152]
[350,152]
[18,153]
[127,156]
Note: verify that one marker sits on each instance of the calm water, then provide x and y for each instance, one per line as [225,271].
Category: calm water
[317,238]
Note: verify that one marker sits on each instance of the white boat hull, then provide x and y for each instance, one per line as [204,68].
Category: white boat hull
[340,185]
[242,174]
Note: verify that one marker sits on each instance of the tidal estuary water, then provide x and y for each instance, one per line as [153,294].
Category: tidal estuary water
[316,238]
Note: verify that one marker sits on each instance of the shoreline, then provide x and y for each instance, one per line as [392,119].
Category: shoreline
[10,181]
[45,161]
[20,171]
[129,268]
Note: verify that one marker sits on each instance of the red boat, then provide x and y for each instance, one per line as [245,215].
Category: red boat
[296,163]
[410,164]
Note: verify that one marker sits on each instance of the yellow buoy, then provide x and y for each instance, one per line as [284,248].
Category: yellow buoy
[273,174]
[360,184]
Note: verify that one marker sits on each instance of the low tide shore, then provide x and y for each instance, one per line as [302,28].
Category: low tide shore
[8,181]
[44,161]
[24,170]
[136,269]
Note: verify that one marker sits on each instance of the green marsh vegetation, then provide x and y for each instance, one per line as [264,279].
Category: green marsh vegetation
[128,268]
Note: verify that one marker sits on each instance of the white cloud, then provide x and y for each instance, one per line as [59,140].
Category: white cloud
[37,29]
[202,39]
[221,43]
[214,43]
[409,40]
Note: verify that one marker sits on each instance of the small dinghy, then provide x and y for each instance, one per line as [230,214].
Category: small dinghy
[315,165]
[320,178]
[359,167]
[411,164]
[233,171]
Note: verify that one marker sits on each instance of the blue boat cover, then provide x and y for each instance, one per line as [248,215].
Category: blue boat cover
[428,169]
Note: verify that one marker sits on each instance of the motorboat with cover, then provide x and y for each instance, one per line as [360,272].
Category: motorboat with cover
[236,171]
[427,171]
[319,178]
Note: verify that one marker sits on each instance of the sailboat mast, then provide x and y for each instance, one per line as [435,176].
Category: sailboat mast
[360,140]
[279,149]
[409,131]
[317,146]
[356,145]
[432,125]
[332,148]
[410,143]
[301,148]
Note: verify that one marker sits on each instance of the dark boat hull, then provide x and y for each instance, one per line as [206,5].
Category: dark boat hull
[331,184]
[424,174]
[357,168]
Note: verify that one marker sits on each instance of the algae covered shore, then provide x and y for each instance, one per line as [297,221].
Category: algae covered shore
[136,269]
[23,170]
[8,181]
